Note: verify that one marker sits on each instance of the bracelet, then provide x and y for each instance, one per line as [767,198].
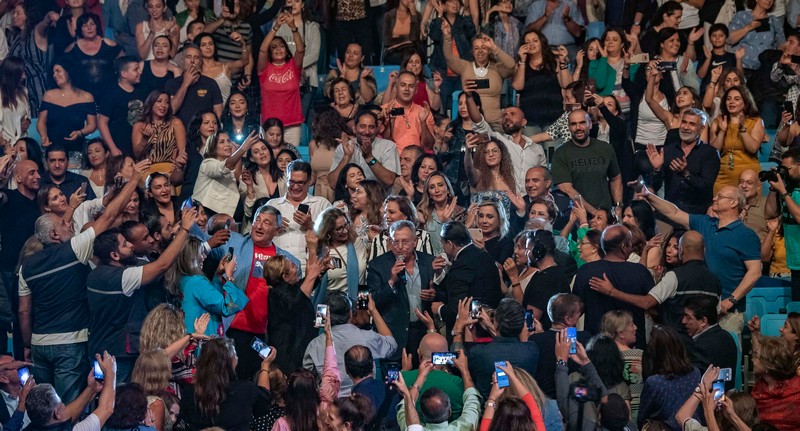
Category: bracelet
[184,229]
[417,386]
[561,362]
[783,195]
[713,82]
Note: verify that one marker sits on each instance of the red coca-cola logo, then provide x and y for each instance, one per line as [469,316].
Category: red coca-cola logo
[282,79]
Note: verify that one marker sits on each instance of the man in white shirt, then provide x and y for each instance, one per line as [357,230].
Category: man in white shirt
[298,210]
[524,152]
[377,157]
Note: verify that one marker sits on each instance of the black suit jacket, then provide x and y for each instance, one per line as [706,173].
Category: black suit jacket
[393,303]
[472,274]
[714,346]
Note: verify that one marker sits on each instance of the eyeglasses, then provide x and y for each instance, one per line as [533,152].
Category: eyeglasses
[492,151]
[296,183]
[342,228]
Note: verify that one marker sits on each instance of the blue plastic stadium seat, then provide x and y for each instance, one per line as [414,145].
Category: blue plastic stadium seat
[793,307]
[382,76]
[775,298]
[771,324]
[737,373]
[755,307]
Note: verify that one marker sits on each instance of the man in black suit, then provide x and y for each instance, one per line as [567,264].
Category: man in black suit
[710,343]
[471,273]
[400,282]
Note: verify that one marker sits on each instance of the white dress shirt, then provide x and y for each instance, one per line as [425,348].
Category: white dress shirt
[293,239]
[523,158]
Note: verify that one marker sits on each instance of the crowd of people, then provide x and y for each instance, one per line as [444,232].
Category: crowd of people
[548,216]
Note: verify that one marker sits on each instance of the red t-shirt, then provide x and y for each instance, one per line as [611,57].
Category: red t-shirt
[253,318]
[280,93]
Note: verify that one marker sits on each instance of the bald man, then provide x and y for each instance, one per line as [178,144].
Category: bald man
[691,278]
[441,376]
[733,251]
[524,152]
[756,202]
[18,212]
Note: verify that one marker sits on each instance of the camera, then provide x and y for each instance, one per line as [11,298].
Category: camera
[772,174]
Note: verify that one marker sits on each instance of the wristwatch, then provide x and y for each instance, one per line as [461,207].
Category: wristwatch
[732,299]
[373,161]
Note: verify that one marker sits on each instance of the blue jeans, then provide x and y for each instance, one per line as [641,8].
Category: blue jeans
[64,366]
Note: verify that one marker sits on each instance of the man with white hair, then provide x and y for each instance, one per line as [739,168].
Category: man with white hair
[733,251]
[53,308]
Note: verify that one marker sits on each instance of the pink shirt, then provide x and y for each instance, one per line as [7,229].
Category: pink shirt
[280,93]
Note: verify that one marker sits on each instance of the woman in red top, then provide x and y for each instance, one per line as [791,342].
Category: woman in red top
[777,390]
[280,74]
[512,412]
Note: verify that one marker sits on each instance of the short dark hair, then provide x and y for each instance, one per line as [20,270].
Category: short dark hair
[362,112]
[543,238]
[126,228]
[614,413]
[130,407]
[358,362]
[455,232]
[702,306]
[719,27]
[562,305]
[793,153]
[339,308]
[541,200]
[510,317]
[105,244]
[122,63]
[55,148]
[434,404]
[665,354]
[298,165]
[83,19]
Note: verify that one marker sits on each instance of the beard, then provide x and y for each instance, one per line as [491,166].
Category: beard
[687,136]
[512,128]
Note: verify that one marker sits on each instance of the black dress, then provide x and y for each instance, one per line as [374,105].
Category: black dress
[96,71]
[63,120]
[150,82]
[243,401]
[290,326]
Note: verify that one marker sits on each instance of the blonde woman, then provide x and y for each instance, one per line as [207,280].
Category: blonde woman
[152,372]
[620,327]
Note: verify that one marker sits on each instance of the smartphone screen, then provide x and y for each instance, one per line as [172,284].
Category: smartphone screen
[83,188]
[442,358]
[724,374]
[572,337]
[392,375]
[362,299]
[230,254]
[322,316]
[502,378]
[24,375]
[529,320]
[260,347]
[718,388]
[98,372]
[482,84]
[475,309]
[303,208]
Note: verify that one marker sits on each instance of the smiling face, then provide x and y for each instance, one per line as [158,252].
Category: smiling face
[599,221]
[488,221]
[587,250]
[366,129]
[161,106]
[18,18]
[359,198]
[520,252]
[96,154]
[155,8]
[628,217]
[161,190]
[298,186]
[414,64]
[407,159]
[265,227]
[353,177]
[237,105]
[341,94]
[224,146]
[539,211]
[671,46]
[60,75]
[691,127]
[734,102]
[533,43]
[406,88]
[392,213]
[341,231]
[437,190]
[788,334]
[579,125]
[536,184]
[492,155]
[480,51]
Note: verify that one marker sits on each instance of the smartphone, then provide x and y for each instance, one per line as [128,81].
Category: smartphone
[98,372]
[336,262]
[322,316]
[303,208]
[287,9]
[476,234]
[481,84]
[83,188]
[796,59]
[474,309]
[578,198]
[228,223]
[764,27]
[260,347]
[591,85]
[397,112]
[442,358]
[24,375]
[788,107]
[667,66]
[229,256]
[640,58]
[529,320]
[573,106]
[724,375]
[718,388]
[572,337]
[502,378]
[392,374]
[362,298]
[230,4]
[187,204]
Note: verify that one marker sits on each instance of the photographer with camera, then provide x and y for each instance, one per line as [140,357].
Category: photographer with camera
[783,201]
